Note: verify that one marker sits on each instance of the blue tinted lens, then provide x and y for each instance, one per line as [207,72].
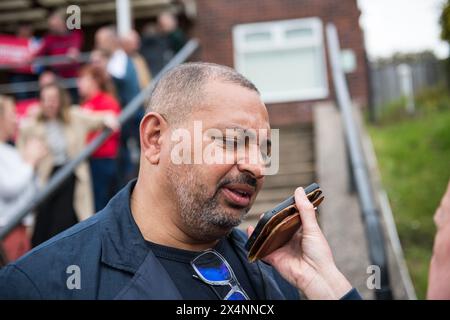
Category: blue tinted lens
[237,296]
[216,273]
[212,268]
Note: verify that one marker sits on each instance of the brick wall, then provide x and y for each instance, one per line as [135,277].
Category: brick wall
[216,19]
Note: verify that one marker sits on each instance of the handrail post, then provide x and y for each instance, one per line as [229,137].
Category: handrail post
[375,239]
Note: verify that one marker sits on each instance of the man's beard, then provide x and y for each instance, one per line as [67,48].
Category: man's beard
[203,216]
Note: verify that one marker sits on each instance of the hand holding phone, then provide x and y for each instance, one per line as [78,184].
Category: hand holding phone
[277,226]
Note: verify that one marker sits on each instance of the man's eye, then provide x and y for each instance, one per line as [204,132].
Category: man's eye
[223,142]
[230,143]
[268,152]
[265,156]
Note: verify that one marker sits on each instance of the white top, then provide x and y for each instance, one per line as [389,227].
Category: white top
[56,141]
[17,182]
[117,64]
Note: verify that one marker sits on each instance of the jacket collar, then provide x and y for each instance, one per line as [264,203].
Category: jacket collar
[124,248]
[260,274]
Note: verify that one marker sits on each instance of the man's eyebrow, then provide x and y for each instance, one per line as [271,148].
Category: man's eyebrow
[242,131]
[229,126]
[247,131]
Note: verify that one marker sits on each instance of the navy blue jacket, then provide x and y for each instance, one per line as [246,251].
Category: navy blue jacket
[114,262]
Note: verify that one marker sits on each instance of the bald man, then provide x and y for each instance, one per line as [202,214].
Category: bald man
[171,234]
[120,65]
[131,42]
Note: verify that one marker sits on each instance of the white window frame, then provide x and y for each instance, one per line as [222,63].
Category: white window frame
[277,29]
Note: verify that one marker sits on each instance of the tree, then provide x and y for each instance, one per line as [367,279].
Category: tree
[445,35]
[445,22]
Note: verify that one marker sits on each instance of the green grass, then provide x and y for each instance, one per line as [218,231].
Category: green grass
[414,160]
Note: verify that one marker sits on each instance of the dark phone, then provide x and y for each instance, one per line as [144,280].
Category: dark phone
[309,190]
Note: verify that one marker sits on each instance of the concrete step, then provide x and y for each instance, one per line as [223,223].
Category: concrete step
[288,180]
[297,167]
[296,129]
[294,157]
[296,139]
[269,194]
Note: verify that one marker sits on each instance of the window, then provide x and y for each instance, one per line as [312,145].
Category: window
[285,59]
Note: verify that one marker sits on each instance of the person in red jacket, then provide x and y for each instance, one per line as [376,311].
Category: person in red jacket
[95,89]
[62,41]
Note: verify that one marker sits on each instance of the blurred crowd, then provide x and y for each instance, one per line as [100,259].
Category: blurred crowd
[42,131]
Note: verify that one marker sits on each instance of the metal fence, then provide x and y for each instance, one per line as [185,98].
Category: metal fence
[386,80]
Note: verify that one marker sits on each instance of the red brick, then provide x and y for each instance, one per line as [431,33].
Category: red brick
[216,18]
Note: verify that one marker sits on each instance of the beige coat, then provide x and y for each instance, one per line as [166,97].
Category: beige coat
[80,124]
[142,70]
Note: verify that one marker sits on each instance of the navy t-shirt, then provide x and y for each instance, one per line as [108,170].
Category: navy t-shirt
[177,263]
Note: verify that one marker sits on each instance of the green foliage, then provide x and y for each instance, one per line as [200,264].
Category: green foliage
[414,160]
[445,22]
[427,101]
[433,99]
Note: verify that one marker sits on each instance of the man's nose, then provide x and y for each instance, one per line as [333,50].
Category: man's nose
[255,169]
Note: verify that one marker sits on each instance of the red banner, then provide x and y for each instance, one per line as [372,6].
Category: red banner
[13,50]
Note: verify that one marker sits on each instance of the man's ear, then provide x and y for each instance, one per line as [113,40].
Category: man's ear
[151,129]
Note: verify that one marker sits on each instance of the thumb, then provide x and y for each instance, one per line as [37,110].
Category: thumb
[307,212]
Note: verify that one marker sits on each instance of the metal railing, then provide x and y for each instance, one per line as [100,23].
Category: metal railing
[359,169]
[33,86]
[49,61]
[127,113]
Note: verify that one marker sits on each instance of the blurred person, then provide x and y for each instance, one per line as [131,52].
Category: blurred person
[168,25]
[131,43]
[64,130]
[119,66]
[147,241]
[47,77]
[155,48]
[18,182]
[439,274]
[26,73]
[30,107]
[161,41]
[123,73]
[99,60]
[95,90]
[62,41]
